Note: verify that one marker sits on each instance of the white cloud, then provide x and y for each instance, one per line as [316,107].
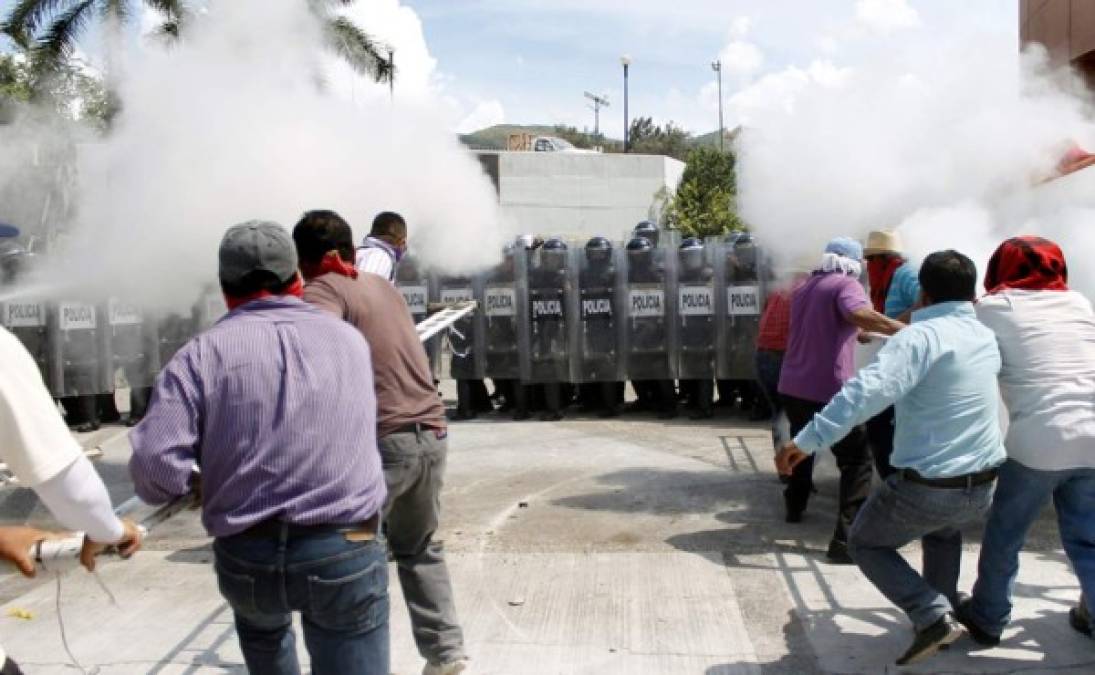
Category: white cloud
[777,92]
[886,16]
[741,58]
[485,114]
[740,27]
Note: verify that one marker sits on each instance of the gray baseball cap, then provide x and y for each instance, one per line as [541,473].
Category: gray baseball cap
[257,246]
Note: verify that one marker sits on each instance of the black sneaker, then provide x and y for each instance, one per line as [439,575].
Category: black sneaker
[838,553]
[930,640]
[965,617]
[1080,620]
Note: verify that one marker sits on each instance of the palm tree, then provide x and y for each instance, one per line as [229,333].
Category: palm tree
[50,29]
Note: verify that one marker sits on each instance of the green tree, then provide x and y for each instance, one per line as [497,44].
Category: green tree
[706,200]
[72,91]
[50,29]
[647,138]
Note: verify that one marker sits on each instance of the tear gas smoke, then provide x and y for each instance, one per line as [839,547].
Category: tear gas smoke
[231,124]
[944,144]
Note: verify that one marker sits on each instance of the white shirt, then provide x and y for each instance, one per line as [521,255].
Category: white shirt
[377,257]
[1047,343]
[39,449]
[33,439]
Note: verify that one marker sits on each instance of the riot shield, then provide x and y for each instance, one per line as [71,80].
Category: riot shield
[465,362]
[696,313]
[75,358]
[741,299]
[414,284]
[651,304]
[601,318]
[129,343]
[27,319]
[500,323]
[174,331]
[546,280]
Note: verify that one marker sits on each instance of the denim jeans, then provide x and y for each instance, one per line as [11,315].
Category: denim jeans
[901,511]
[1021,494]
[769,364]
[340,587]
[414,470]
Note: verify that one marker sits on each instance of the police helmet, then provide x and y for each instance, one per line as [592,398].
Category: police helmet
[555,244]
[732,237]
[639,244]
[598,249]
[691,253]
[647,229]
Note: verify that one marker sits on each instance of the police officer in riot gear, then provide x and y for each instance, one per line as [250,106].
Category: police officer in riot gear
[697,328]
[648,230]
[548,289]
[648,349]
[500,352]
[598,307]
[738,388]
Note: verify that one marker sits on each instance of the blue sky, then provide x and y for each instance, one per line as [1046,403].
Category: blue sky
[531,60]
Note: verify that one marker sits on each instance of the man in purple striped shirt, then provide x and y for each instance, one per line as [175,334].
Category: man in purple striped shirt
[275,405]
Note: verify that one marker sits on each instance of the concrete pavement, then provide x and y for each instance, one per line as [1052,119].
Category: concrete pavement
[583,546]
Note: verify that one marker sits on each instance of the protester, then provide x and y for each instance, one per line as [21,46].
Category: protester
[894,291]
[1046,334]
[775,325]
[827,312]
[43,455]
[276,405]
[412,429]
[941,374]
[385,246]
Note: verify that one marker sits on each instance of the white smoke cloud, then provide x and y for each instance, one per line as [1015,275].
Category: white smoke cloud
[229,126]
[485,114]
[941,143]
[886,16]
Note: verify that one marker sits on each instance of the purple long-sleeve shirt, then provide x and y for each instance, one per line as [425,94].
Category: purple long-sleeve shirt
[275,403]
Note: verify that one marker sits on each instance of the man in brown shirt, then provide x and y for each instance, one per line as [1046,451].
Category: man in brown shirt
[412,433]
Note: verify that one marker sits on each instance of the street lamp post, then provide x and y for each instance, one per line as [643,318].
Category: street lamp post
[625,61]
[717,67]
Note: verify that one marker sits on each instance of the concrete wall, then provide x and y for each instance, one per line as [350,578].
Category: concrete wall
[1065,27]
[583,195]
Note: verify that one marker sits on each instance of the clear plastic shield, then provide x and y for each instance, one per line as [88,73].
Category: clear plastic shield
[414,284]
[739,269]
[651,304]
[463,338]
[27,319]
[696,313]
[75,357]
[173,331]
[601,317]
[501,325]
[129,344]
[546,282]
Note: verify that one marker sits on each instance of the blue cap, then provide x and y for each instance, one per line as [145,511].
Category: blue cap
[846,247]
[7,231]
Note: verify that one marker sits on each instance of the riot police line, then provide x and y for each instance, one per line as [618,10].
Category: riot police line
[565,323]
[560,322]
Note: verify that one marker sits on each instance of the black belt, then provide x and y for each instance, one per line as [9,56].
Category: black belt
[967,481]
[272,528]
[415,428]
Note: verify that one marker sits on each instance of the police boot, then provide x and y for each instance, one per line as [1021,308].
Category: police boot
[667,397]
[704,405]
[553,403]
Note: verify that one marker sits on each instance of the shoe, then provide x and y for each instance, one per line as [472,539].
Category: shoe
[838,553]
[1080,620]
[609,413]
[965,617]
[450,668]
[930,640]
[668,414]
[521,415]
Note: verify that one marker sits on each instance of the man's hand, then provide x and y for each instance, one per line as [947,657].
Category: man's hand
[788,457]
[16,543]
[130,544]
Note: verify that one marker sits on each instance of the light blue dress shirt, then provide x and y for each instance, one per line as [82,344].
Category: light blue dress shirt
[940,374]
[904,291]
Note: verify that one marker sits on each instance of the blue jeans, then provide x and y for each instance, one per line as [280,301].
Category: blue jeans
[769,365]
[1021,494]
[340,588]
[900,512]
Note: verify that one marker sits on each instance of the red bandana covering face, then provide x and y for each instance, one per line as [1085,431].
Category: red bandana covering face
[332,263]
[880,271]
[1028,263]
[295,289]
